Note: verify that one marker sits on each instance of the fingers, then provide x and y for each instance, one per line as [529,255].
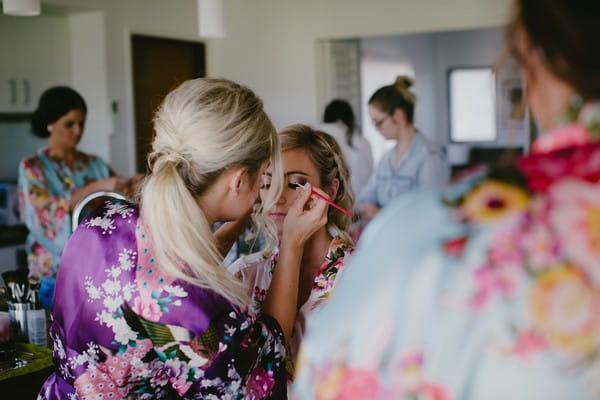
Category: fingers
[301,201]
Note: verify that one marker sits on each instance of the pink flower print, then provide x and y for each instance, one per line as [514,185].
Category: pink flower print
[431,391]
[181,385]
[412,383]
[260,294]
[260,383]
[111,377]
[454,247]
[528,343]
[561,138]
[358,384]
[489,280]
[546,169]
[566,309]
[60,214]
[147,307]
[323,283]
[575,217]
[40,263]
[410,368]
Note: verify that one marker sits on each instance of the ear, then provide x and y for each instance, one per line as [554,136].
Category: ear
[399,115]
[332,189]
[236,181]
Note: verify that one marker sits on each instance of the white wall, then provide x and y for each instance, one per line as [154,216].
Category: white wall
[276,40]
[90,78]
[108,69]
[270,44]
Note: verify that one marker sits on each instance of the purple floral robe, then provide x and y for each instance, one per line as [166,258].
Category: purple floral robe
[123,329]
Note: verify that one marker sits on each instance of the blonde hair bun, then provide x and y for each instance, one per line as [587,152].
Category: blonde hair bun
[403,82]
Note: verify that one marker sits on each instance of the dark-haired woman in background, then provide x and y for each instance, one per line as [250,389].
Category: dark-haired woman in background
[54,179]
[414,163]
[339,121]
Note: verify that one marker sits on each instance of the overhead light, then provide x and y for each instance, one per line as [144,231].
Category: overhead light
[23,8]
[211,19]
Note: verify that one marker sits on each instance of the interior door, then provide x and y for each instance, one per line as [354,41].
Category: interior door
[159,65]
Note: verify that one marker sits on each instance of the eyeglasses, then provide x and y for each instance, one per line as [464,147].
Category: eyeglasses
[380,122]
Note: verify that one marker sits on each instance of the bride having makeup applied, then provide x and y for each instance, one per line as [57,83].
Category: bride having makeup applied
[311,159]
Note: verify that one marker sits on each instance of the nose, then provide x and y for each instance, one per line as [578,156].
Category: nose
[281,200]
[77,129]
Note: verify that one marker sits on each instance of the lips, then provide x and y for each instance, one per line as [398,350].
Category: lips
[277,215]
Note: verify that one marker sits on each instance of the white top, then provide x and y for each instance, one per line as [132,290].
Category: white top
[358,156]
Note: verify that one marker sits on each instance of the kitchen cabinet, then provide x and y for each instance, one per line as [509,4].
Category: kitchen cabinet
[34,55]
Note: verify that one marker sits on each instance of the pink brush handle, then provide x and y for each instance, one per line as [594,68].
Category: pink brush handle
[331,203]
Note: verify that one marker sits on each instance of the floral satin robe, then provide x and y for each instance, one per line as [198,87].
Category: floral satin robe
[489,290]
[45,187]
[256,270]
[123,329]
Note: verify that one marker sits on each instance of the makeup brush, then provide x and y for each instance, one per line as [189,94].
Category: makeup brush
[319,195]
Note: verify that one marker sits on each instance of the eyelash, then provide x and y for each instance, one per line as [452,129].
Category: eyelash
[290,185]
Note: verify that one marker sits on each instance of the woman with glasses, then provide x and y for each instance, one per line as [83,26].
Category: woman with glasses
[414,163]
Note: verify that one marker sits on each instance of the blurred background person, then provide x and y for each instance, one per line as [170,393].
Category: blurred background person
[315,158]
[413,163]
[339,121]
[489,289]
[53,180]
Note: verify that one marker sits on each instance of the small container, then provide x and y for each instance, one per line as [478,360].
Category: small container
[36,317]
[18,320]
[7,345]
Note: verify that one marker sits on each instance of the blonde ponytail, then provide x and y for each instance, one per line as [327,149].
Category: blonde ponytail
[202,128]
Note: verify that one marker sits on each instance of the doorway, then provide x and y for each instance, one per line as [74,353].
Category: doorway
[159,65]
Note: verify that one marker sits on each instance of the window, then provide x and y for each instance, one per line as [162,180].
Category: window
[471,93]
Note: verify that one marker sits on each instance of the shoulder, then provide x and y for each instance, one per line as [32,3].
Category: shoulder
[254,261]
[90,158]
[361,143]
[426,148]
[33,160]
[110,218]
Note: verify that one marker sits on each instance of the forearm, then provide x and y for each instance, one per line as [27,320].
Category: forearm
[281,302]
[79,194]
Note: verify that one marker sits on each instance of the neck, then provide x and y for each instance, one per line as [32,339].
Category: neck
[67,154]
[205,205]
[405,139]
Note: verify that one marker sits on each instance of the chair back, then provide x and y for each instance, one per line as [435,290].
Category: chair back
[91,202]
